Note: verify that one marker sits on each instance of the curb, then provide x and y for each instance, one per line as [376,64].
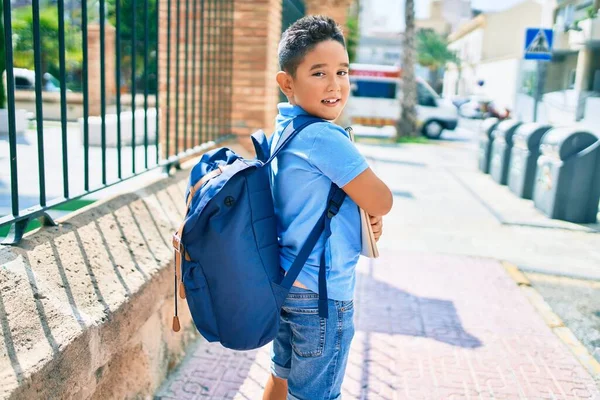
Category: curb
[554,322]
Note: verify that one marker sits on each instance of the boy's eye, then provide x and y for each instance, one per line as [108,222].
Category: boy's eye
[343,73]
[318,74]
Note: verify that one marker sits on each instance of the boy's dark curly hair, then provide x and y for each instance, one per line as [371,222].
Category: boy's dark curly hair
[302,36]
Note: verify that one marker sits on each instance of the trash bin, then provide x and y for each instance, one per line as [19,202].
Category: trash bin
[485,143]
[523,159]
[501,149]
[567,183]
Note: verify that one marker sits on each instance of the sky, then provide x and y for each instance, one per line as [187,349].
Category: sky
[422,6]
[493,5]
[388,15]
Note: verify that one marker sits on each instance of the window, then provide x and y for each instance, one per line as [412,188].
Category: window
[373,89]
[22,83]
[572,77]
[424,96]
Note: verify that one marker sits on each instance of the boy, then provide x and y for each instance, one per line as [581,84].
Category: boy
[310,353]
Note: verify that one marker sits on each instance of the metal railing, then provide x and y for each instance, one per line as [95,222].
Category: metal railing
[291,11]
[196,92]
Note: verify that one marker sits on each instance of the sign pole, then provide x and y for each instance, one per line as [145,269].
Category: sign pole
[538,46]
[539,87]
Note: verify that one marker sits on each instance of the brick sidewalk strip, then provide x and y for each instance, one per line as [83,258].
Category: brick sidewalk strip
[427,327]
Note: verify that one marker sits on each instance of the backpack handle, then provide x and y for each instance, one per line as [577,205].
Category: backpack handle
[293,127]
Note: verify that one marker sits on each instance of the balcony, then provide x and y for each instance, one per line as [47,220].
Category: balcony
[561,40]
[587,33]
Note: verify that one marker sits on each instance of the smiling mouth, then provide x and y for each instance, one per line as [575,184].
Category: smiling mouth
[330,101]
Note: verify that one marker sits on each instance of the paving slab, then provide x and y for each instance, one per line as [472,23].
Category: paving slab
[427,327]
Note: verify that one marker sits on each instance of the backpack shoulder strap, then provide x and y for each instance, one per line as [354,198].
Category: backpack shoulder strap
[335,199]
[292,129]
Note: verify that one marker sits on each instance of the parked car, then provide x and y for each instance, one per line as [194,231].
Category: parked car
[459,101]
[376,96]
[480,108]
[25,80]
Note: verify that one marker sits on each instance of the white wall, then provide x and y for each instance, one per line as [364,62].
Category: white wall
[592,113]
[500,80]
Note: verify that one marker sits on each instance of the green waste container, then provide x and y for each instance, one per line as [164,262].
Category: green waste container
[485,143]
[524,157]
[567,183]
[501,149]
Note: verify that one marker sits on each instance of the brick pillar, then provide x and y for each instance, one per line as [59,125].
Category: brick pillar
[257,31]
[336,9]
[94,63]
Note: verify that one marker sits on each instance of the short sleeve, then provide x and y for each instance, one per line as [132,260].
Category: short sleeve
[335,155]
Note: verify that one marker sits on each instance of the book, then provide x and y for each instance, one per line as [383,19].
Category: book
[368,243]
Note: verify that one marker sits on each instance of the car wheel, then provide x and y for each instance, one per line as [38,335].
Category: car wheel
[433,129]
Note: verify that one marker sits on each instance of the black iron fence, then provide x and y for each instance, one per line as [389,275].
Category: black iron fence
[150,83]
[291,11]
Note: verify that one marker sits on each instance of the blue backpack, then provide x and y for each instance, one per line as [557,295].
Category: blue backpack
[227,251]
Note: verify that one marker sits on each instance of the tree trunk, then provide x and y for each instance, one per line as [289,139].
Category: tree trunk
[407,125]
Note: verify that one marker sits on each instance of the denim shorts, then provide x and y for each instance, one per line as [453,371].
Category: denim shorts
[309,351]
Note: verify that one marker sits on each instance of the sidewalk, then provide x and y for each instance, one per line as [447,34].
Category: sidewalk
[437,316]
[427,327]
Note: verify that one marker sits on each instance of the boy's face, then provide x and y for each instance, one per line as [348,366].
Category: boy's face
[321,84]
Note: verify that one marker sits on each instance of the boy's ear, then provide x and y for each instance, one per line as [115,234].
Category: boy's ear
[284,80]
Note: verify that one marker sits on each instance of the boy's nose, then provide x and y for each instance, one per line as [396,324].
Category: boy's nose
[334,86]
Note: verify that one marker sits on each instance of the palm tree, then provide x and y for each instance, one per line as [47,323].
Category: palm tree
[407,124]
[433,53]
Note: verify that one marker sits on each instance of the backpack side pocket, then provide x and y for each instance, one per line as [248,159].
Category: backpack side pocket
[199,300]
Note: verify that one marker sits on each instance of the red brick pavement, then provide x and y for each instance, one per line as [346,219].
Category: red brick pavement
[427,327]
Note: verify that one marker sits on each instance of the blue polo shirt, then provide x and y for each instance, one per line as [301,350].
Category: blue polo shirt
[302,174]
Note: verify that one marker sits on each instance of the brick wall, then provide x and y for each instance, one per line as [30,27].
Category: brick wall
[336,9]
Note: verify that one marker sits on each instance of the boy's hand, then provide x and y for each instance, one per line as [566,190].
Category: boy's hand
[377,225]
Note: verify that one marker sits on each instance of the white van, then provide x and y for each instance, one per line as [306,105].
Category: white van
[375,98]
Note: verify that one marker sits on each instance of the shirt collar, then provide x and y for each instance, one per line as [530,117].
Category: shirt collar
[288,110]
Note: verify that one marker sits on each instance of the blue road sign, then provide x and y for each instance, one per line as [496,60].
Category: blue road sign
[538,44]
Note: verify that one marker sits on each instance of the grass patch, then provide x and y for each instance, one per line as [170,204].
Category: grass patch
[31,226]
[381,141]
[69,206]
[73,205]
[413,139]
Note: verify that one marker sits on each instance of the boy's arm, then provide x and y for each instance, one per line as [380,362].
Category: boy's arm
[370,193]
[338,159]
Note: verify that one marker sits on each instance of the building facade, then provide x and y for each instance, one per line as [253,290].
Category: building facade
[445,16]
[572,83]
[490,48]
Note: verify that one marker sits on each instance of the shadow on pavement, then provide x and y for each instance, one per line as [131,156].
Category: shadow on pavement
[212,372]
[384,309]
[389,310]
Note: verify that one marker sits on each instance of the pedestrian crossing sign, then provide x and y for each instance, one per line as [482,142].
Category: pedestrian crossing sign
[538,44]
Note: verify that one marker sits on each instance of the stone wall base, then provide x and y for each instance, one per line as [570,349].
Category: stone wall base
[86,307]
